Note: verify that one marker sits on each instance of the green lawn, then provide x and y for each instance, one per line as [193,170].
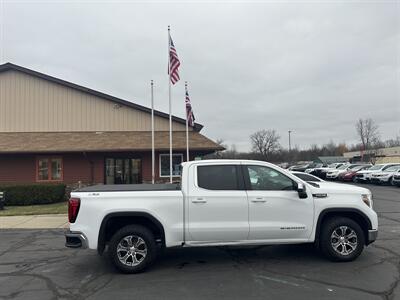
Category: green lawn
[43,209]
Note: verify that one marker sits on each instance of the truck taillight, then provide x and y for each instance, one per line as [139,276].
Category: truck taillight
[73,209]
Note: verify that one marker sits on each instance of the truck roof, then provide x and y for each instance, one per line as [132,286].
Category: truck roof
[216,161]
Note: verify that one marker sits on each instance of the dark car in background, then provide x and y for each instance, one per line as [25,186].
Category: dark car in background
[321,172]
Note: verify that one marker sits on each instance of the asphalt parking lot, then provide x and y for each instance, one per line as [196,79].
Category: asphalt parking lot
[34,264]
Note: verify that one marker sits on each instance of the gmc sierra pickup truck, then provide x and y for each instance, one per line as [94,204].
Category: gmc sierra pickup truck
[220,202]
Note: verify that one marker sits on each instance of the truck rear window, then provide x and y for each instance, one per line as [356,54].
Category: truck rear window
[220,177]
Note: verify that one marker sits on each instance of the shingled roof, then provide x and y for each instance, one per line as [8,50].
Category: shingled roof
[10,66]
[48,142]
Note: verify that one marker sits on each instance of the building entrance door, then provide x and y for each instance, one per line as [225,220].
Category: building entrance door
[123,170]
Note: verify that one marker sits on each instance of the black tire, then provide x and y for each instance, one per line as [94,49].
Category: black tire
[327,239]
[355,179]
[135,261]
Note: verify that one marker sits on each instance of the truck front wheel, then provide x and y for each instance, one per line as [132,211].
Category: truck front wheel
[341,239]
[132,249]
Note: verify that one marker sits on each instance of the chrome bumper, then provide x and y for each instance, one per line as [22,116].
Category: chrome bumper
[372,235]
[75,240]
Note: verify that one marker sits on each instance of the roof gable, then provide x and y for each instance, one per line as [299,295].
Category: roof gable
[10,66]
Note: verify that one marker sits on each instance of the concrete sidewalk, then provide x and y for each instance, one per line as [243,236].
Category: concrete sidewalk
[34,221]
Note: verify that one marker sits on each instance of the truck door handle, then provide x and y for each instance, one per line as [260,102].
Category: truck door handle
[258,200]
[199,200]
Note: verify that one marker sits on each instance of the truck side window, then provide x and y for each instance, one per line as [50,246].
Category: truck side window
[268,179]
[219,177]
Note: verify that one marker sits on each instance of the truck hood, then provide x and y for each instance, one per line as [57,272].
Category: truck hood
[338,188]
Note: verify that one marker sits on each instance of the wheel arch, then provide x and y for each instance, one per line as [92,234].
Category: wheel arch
[351,213]
[114,221]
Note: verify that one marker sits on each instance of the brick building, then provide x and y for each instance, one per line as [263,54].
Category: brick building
[52,130]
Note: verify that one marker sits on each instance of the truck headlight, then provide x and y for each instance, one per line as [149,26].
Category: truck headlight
[367,199]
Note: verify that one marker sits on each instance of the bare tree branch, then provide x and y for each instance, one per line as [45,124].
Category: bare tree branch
[265,142]
[368,133]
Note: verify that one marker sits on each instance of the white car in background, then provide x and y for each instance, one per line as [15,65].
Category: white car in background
[318,165]
[324,168]
[365,175]
[396,178]
[385,176]
[321,172]
[334,173]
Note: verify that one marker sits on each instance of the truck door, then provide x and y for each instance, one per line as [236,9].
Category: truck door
[276,212]
[217,204]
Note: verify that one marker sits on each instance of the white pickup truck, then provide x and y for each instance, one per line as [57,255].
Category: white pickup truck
[220,202]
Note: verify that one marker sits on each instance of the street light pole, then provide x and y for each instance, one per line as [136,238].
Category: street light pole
[290,147]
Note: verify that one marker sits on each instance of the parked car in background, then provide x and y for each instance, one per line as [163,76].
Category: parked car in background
[350,175]
[385,176]
[365,175]
[312,168]
[396,178]
[321,172]
[302,168]
[336,173]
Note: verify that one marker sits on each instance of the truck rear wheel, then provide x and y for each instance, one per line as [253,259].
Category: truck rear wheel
[341,239]
[132,249]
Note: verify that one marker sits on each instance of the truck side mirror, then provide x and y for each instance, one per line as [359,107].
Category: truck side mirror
[301,189]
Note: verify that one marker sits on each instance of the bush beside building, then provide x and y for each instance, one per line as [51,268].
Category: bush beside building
[31,194]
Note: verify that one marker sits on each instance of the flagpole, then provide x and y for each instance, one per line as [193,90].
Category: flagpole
[187,125]
[170,115]
[152,134]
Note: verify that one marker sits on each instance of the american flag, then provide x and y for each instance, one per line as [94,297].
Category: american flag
[174,62]
[189,110]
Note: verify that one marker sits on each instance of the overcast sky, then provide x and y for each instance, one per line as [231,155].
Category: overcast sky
[311,67]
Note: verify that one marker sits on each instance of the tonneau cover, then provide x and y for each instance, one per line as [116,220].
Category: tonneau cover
[130,187]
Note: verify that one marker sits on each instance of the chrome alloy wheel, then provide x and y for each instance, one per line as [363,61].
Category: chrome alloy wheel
[131,250]
[344,240]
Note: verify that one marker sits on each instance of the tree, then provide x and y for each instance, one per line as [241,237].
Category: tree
[368,133]
[393,142]
[265,142]
[219,154]
[341,148]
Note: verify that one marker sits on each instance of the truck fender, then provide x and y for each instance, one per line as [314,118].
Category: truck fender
[101,243]
[346,211]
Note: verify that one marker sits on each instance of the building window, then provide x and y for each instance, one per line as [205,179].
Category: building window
[49,169]
[176,165]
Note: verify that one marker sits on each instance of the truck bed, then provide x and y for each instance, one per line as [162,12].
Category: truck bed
[130,187]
